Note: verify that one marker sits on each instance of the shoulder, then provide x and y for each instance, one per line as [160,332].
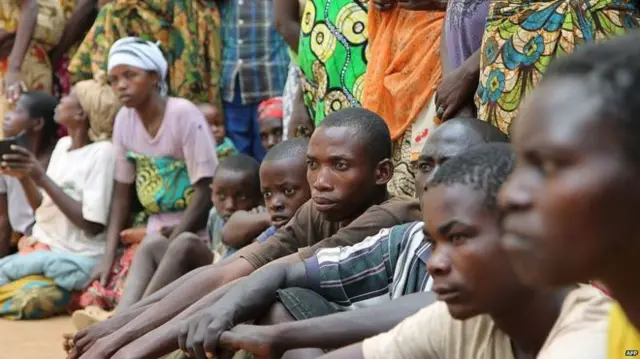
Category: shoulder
[409,208]
[177,105]
[581,328]
[102,147]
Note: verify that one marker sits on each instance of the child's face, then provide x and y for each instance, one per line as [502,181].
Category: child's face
[284,187]
[471,272]
[341,178]
[231,192]
[215,121]
[270,132]
[570,203]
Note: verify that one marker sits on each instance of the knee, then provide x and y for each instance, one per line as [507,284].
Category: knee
[186,245]
[154,245]
[278,313]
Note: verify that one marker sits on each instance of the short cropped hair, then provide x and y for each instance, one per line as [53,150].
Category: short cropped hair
[485,130]
[371,131]
[610,71]
[42,105]
[484,167]
[288,149]
[243,164]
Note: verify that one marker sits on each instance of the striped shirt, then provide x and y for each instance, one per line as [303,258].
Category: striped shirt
[252,51]
[388,265]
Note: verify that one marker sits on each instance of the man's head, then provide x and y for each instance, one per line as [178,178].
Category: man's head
[283,178]
[348,163]
[215,121]
[471,272]
[451,139]
[571,203]
[236,185]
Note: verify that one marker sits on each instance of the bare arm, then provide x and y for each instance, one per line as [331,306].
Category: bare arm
[444,54]
[195,216]
[243,227]
[5,226]
[340,329]
[184,296]
[79,23]
[27,25]
[351,352]
[71,208]
[287,16]
[31,192]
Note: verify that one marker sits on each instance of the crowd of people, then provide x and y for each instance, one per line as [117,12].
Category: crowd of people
[323,178]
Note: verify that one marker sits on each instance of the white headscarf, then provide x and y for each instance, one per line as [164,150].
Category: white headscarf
[145,55]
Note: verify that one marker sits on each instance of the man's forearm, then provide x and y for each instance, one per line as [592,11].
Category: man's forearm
[163,340]
[341,329]
[180,299]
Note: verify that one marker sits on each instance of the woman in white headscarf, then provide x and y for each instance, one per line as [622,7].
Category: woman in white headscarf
[165,150]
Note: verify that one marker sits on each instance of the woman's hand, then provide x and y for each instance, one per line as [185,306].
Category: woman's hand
[13,86]
[454,93]
[300,124]
[22,163]
[133,235]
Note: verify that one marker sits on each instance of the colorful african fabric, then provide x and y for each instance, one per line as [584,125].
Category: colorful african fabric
[162,183]
[32,297]
[523,36]
[189,33]
[225,149]
[36,68]
[333,55]
[624,339]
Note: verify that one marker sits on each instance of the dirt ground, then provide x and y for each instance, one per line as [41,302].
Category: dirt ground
[33,339]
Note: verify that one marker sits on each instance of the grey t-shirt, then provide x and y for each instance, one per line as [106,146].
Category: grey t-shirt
[21,215]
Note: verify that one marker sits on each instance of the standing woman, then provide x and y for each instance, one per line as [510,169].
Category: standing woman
[522,37]
[189,34]
[29,29]
[164,149]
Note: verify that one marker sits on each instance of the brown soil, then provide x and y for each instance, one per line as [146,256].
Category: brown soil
[33,339]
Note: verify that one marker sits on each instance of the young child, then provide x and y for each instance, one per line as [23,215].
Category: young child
[283,179]
[224,144]
[270,115]
[235,187]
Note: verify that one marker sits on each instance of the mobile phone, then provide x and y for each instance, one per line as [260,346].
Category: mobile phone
[5,144]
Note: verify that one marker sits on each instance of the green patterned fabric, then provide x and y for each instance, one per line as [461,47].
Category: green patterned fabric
[333,55]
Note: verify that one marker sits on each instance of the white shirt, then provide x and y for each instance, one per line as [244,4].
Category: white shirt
[86,175]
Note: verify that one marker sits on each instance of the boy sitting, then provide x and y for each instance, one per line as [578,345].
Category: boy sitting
[348,167]
[484,310]
[235,186]
[283,181]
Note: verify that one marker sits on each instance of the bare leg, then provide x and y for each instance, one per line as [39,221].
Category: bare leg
[145,262]
[185,253]
[279,314]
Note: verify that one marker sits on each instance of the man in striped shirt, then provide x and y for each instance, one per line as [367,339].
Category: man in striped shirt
[390,265]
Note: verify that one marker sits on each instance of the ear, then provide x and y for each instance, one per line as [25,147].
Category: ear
[81,115]
[39,124]
[384,172]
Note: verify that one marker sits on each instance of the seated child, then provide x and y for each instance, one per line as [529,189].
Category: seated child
[235,186]
[224,145]
[270,115]
[283,180]
[71,200]
[484,310]
[33,120]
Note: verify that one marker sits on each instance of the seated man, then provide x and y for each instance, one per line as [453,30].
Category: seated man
[348,167]
[484,309]
[571,205]
[381,268]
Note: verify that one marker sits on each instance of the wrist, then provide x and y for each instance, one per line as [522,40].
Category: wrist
[282,340]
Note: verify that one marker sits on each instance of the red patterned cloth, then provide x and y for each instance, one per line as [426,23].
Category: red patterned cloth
[271,108]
